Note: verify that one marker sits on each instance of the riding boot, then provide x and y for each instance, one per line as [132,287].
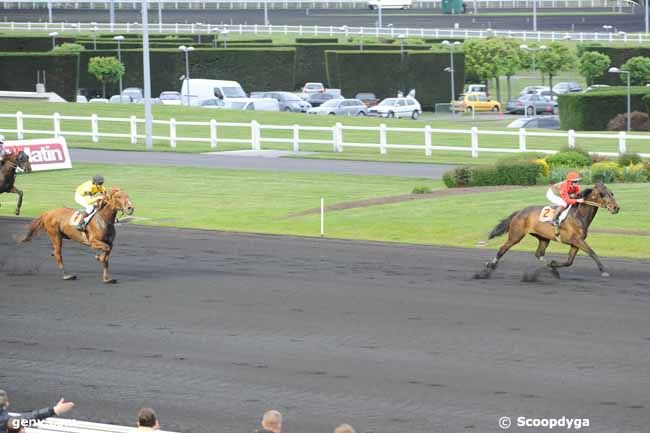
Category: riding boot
[556,218]
[82,222]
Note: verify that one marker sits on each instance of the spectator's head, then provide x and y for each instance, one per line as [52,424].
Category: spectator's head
[344,428]
[14,425]
[272,420]
[147,418]
[4,400]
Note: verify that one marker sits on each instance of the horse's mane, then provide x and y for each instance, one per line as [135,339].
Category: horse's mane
[586,192]
[107,197]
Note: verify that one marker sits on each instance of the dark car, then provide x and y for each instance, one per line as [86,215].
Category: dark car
[370,99]
[530,104]
[542,122]
[316,99]
[288,101]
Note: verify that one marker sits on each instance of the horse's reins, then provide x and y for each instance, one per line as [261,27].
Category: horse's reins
[594,204]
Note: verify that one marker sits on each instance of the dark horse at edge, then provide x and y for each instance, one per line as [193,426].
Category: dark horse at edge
[8,166]
[573,230]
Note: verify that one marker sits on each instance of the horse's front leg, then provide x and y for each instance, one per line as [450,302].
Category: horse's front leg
[582,244]
[103,258]
[20,198]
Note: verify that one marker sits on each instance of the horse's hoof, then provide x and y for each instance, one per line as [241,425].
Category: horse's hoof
[69,277]
[542,259]
[483,274]
[111,281]
[17,212]
[555,273]
[604,274]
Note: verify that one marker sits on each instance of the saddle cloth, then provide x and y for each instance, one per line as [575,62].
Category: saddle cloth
[75,219]
[547,214]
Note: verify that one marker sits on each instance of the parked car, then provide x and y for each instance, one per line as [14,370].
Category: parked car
[530,104]
[532,89]
[120,99]
[397,107]
[367,98]
[345,107]
[288,101]
[208,103]
[596,87]
[390,4]
[257,104]
[543,122]
[311,88]
[136,93]
[200,88]
[81,99]
[548,94]
[334,92]
[561,88]
[170,98]
[98,101]
[476,88]
[316,99]
[474,102]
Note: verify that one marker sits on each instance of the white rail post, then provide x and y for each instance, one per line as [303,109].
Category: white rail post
[57,124]
[134,130]
[94,127]
[296,138]
[19,125]
[382,139]
[522,139]
[339,136]
[621,142]
[427,140]
[172,133]
[571,135]
[474,142]
[255,135]
[213,134]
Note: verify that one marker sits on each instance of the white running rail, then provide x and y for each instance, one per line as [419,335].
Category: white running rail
[211,133]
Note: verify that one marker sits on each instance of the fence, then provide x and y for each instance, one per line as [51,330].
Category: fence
[253,133]
[302,4]
[303,30]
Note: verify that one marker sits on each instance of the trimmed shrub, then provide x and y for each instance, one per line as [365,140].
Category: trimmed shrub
[421,189]
[545,169]
[629,159]
[638,122]
[558,174]
[635,173]
[30,43]
[317,40]
[458,177]
[569,158]
[511,173]
[592,111]
[606,172]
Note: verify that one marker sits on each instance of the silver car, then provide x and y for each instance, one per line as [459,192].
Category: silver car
[344,107]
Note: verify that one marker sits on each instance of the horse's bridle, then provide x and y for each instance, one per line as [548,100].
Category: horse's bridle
[594,204]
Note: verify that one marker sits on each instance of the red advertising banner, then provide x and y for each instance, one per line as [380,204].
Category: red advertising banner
[44,154]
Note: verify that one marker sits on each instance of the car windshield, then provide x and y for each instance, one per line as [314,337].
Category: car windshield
[330,103]
[365,96]
[313,86]
[170,96]
[389,101]
[233,92]
[132,92]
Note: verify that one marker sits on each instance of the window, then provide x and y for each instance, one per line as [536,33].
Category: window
[410,102]
[401,103]
[483,98]
[472,98]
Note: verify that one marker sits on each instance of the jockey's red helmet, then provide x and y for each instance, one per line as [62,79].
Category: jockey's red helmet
[572,176]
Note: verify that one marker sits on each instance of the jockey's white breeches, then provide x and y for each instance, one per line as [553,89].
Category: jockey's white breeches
[558,201]
[85,202]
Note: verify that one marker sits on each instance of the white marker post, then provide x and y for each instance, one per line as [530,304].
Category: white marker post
[322,217]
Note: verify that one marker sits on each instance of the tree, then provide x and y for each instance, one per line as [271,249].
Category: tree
[68,48]
[106,70]
[592,65]
[511,58]
[639,69]
[491,58]
[554,59]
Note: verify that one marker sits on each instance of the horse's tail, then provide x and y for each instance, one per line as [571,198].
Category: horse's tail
[502,227]
[35,227]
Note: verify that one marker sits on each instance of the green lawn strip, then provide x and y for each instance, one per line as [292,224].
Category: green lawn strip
[267,118]
[259,201]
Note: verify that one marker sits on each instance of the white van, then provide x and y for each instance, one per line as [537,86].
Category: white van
[390,4]
[199,89]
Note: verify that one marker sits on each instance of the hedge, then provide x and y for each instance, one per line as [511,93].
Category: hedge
[386,73]
[617,55]
[242,65]
[61,72]
[317,40]
[593,110]
[504,173]
[29,44]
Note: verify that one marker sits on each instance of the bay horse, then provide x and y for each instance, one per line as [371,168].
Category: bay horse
[99,234]
[573,231]
[8,166]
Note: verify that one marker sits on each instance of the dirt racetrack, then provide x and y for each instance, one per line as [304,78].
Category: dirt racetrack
[213,328]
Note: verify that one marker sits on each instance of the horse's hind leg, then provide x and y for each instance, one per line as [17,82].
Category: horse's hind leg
[57,243]
[20,198]
[513,239]
[541,247]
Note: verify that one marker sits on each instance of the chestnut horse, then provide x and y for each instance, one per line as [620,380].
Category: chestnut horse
[573,230]
[8,166]
[99,234]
